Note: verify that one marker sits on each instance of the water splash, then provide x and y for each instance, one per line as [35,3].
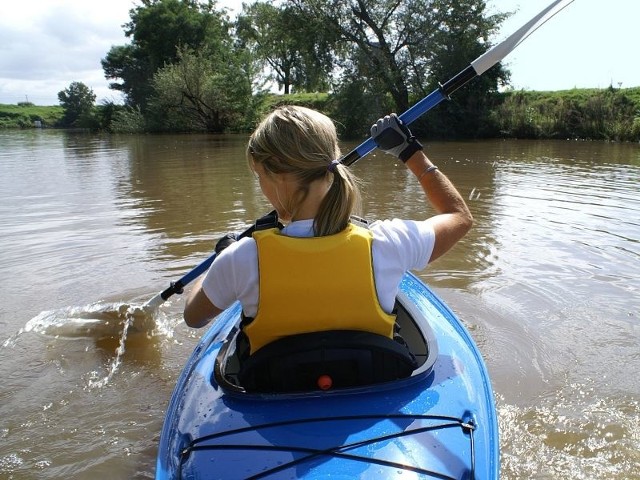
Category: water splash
[115,363]
[98,321]
[573,433]
[474,195]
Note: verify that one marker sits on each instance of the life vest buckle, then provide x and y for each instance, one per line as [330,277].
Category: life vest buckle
[270,220]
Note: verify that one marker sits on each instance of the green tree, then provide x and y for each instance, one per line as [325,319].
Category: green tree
[293,45]
[353,106]
[128,64]
[205,90]
[379,35]
[463,34]
[77,100]
[401,49]
[157,29]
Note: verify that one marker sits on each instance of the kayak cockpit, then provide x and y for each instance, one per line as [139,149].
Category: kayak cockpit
[330,361]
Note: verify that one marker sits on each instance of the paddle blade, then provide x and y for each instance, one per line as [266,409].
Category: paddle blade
[491,57]
[153,304]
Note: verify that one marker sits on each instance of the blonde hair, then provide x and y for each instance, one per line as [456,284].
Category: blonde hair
[303,142]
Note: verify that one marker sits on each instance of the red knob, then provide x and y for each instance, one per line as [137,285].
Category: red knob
[324,382]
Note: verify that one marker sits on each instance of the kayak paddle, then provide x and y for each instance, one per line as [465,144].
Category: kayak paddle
[475,69]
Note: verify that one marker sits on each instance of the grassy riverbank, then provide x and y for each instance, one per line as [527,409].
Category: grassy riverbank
[25,115]
[595,114]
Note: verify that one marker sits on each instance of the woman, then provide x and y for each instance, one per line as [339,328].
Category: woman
[321,271]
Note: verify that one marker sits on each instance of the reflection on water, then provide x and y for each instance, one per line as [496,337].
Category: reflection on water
[547,283]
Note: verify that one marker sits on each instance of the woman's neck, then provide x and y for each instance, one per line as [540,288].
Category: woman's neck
[309,207]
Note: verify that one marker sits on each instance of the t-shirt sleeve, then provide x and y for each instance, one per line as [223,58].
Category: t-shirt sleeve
[411,240]
[228,279]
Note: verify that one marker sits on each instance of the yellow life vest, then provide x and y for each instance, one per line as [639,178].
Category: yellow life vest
[316,284]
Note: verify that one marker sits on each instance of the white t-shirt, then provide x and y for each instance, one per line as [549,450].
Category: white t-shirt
[398,246]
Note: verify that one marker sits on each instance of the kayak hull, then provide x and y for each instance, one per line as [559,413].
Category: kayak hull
[439,423]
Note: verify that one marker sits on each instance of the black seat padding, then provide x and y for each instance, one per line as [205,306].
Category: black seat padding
[349,358]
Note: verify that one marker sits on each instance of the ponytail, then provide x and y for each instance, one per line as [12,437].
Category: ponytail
[341,201]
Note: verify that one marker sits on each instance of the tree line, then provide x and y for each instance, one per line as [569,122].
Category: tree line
[189,67]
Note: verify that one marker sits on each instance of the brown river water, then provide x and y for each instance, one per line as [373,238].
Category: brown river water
[91,227]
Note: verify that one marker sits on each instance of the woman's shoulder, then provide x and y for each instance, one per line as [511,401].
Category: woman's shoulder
[401,231]
[397,226]
[410,242]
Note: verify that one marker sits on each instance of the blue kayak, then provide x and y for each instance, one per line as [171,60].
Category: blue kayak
[437,421]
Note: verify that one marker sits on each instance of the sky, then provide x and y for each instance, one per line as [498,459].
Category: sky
[47,44]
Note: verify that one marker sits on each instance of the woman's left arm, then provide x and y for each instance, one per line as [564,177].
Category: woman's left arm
[198,309]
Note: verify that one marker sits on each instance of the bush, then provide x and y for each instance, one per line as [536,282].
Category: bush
[128,120]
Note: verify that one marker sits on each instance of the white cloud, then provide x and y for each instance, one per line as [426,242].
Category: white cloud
[46,45]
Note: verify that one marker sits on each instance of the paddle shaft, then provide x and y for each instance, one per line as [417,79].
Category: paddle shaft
[475,68]
[270,220]
[178,286]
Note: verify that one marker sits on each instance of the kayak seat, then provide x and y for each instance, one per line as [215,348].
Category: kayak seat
[326,360]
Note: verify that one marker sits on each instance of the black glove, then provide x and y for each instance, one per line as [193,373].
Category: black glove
[393,136]
[225,241]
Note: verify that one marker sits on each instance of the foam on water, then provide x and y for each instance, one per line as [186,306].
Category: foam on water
[571,430]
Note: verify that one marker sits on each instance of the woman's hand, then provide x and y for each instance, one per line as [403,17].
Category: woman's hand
[394,137]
